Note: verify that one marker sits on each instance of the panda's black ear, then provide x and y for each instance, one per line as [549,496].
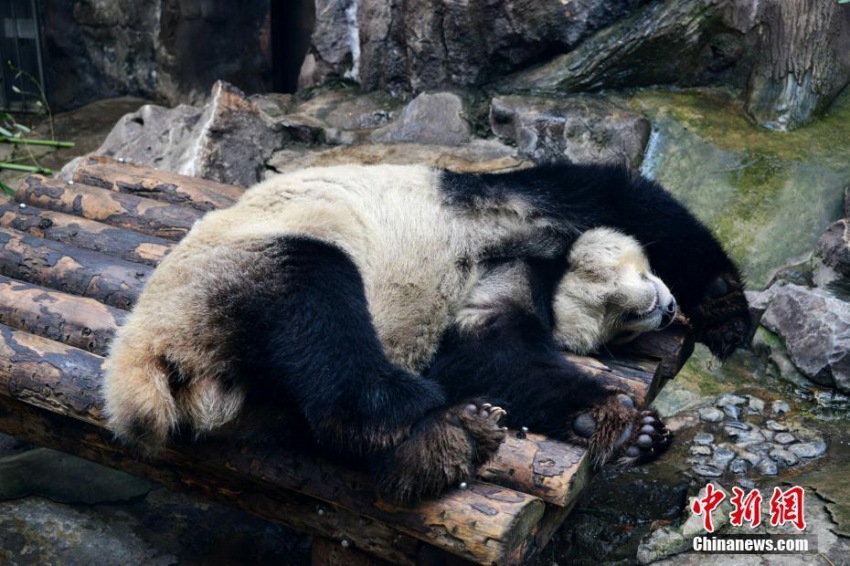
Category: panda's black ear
[718,287]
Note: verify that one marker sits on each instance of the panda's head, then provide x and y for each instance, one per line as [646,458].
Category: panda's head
[609,293]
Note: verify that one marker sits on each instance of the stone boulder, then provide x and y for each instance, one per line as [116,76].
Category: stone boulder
[582,129]
[428,119]
[833,248]
[228,140]
[415,46]
[815,328]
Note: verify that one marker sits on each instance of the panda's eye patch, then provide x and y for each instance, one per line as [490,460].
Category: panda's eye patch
[717,288]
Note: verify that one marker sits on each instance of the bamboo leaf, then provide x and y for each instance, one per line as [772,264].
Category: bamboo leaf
[22,128]
[16,89]
[6,132]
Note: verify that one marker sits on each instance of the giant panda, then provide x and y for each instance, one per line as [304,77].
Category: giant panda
[391,315]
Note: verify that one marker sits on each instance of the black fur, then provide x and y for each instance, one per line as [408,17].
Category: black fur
[681,250]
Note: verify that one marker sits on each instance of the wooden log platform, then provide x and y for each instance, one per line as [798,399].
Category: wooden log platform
[73,258]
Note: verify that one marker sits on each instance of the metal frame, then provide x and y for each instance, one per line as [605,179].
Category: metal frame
[17,29]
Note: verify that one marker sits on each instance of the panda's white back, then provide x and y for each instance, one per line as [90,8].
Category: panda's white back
[416,257]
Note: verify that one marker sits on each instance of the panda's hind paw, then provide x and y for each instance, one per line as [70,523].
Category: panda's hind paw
[481,421]
[443,450]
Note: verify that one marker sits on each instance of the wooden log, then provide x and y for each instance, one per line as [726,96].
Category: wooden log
[78,272]
[484,523]
[304,514]
[77,321]
[116,209]
[553,471]
[86,234]
[597,369]
[671,348]
[201,194]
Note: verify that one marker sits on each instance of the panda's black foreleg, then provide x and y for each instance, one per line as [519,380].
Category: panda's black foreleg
[308,339]
[501,349]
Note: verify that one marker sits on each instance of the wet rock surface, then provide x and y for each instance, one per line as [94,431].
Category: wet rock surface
[580,129]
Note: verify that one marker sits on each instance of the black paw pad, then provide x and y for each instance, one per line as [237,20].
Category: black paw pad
[650,438]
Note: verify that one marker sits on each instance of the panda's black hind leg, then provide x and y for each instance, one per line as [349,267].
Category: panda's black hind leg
[304,339]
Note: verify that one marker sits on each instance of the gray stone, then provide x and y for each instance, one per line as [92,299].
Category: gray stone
[774,425]
[833,247]
[770,349]
[784,457]
[228,140]
[700,450]
[710,414]
[767,467]
[728,399]
[722,456]
[758,301]
[732,411]
[768,434]
[348,110]
[739,466]
[815,327]
[428,119]
[581,129]
[415,46]
[784,438]
[703,438]
[780,407]
[750,457]
[706,471]
[617,57]
[745,438]
[662,542]
[808,449]
[755,406]
[65,478]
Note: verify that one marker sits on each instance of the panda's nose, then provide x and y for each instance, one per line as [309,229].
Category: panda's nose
[669,313]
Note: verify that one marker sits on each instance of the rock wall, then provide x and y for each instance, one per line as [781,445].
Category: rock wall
[788,58]
[170,50]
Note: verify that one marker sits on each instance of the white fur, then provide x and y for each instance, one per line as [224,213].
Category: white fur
[609,278]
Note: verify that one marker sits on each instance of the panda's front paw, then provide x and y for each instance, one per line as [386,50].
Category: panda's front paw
[614,431]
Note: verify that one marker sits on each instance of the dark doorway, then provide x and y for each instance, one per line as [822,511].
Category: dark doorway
[292,24]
